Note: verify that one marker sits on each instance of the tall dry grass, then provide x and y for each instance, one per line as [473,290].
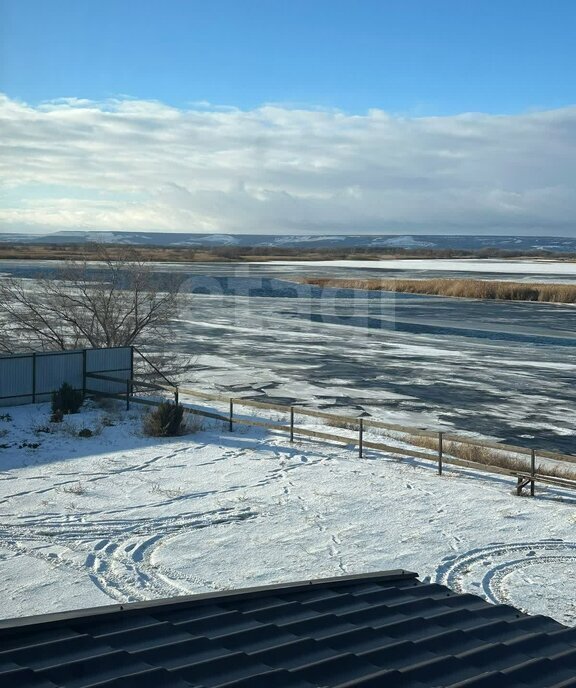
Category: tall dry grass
[459,288]
[488,456]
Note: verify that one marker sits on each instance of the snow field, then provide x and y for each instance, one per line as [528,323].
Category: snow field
[120,517]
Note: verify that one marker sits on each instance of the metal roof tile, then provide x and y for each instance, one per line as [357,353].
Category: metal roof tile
[363,632]
[449,642]
[257,638]
[144,637]
[174,655]
[397,655]
[220,624]
[439,671]
[318,626]
[153,678]
[60,650]
[24,678]
[337,668]
[569,683]
[88,670]
[294,654]
[277,678]
[384,678]
[226,668]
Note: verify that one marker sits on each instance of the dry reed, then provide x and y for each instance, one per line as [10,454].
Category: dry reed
[460,288]
[493,457]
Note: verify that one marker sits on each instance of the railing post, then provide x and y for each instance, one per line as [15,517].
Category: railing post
[33,378]
[84,372]
[361,438]
[127,395]
[231,416]
[440,451]
[291,424]
[532,470]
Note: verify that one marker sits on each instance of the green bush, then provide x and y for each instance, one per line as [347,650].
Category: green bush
[66,400]
[164,421]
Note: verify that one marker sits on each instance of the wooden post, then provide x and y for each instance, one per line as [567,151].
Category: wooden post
[291,424]
[361,438]
[127,395]
[176,396]
[440,451]
[231,417]
[532,470]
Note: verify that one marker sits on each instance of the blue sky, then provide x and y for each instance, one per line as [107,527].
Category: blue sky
[405,56]
[300,116]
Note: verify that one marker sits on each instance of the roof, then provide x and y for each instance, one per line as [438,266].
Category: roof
[371,631]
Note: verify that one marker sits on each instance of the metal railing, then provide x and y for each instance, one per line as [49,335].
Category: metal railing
[440,453]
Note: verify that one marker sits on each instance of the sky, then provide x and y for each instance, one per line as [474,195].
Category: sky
[315,116]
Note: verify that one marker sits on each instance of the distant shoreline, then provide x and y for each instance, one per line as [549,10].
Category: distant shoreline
[463,288]
[256,254]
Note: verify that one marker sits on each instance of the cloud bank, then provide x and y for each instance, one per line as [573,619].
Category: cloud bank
[140,165]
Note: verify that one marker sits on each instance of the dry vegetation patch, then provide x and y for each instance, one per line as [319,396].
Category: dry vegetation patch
[488,456]
[459,288]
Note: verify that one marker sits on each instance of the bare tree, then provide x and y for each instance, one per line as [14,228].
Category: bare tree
[117,301]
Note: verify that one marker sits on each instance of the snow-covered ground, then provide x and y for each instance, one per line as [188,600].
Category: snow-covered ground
[119,517]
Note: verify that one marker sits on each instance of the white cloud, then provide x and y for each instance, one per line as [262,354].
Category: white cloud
[130,164]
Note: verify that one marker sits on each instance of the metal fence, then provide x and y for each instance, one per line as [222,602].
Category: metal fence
[31,378]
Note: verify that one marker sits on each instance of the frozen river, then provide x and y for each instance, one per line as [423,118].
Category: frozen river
[500,369]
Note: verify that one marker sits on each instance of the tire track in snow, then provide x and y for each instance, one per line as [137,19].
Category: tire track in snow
[488,569]
[115,553]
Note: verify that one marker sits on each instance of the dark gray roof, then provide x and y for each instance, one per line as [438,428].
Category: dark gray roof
[370,631]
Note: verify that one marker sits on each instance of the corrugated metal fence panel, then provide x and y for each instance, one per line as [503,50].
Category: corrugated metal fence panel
[106,386]
[114,362]
[54,369]
[16,380]
[109,360]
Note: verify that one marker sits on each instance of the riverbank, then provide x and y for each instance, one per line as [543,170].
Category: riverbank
[459,288]
[265,254]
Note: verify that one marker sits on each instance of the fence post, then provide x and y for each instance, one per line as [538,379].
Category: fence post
[84,372]
[440,451]
[361,438]
[532,470]
[176,396]
[291,424]
[127,395]
[231,416]
[33,378]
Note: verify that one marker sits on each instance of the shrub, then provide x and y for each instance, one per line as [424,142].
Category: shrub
[85,432]
[66,400]
[75,488]
[57,416]
[164,421]
[43,428]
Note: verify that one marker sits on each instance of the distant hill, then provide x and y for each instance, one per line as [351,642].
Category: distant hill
[340,241]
